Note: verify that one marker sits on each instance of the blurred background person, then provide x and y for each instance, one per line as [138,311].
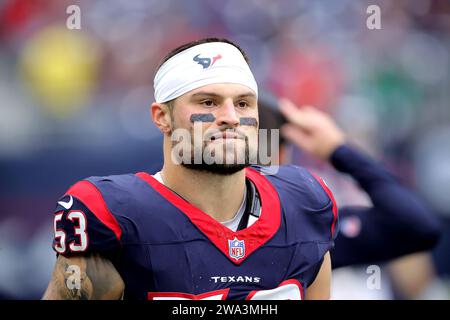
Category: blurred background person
[79,98]
[397,223]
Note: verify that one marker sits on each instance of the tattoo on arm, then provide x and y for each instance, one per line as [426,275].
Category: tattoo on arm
[84,277]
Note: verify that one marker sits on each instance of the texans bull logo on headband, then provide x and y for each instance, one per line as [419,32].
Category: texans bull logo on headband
[206,62]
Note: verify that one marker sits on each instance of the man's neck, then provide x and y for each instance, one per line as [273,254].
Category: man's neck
[218,195]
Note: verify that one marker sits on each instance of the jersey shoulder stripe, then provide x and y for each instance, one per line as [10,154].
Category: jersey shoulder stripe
[330,194]
[91,197]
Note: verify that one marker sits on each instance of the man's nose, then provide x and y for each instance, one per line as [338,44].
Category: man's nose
[227,114]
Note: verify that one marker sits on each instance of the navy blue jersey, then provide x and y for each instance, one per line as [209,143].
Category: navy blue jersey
[166,248]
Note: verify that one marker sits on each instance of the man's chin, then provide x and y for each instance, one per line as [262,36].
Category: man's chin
[214,168]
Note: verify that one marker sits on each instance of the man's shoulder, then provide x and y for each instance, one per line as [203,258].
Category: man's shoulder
[308,209]
[299,184]
[128,183]
[123,192]
[119,180]
[284,172]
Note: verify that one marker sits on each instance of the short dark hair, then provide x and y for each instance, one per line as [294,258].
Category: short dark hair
[197,42]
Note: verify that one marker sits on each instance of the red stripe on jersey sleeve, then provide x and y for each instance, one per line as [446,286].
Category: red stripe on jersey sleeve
[91,197]
[330,194]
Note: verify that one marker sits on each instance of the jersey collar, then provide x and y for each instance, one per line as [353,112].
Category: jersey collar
[236,246]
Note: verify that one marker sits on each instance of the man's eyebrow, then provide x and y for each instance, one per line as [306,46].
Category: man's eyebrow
[206,94]
[215,95]
[247,94]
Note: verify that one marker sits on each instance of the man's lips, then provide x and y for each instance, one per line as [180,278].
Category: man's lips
[226,135]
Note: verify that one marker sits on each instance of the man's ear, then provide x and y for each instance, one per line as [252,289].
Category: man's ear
[161,117]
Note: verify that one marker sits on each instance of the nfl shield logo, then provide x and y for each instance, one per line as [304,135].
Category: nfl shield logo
[236,248]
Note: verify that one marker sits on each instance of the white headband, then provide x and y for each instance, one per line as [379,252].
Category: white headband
[198,66]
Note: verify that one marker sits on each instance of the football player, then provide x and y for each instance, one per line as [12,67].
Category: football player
[210,224]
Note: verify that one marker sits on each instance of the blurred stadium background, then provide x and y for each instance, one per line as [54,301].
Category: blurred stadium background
[74,103]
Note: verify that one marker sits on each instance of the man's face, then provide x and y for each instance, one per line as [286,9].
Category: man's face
[222,120]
